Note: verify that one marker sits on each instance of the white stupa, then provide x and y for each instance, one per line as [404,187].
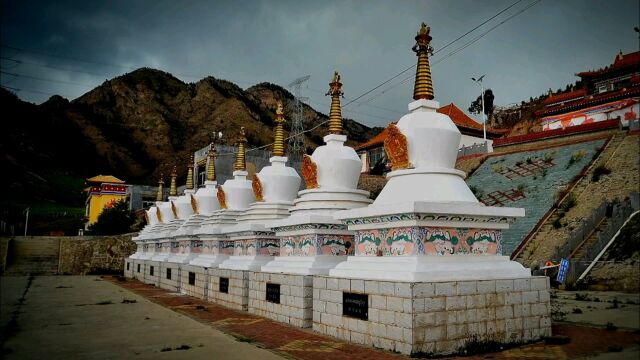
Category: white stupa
[184,207]
[274,188]
[312,241]
[151,216]
[207,205]
[426,224]
[234,197]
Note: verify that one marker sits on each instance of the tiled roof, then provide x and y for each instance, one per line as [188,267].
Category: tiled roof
[105,179]
[593,100]
[631,60]
[459,117]
[565,96]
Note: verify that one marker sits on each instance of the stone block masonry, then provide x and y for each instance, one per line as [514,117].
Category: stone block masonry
[128,268]
[294,304]
[194,281]
[434,318]
[152,272]
[170,276]
[139,269]
[236,285]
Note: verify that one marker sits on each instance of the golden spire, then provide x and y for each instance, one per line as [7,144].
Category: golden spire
[240,163]
[423,88]
[190,174]
[160,195]
[211,166]
[278,144]
[173,190]
[335,114]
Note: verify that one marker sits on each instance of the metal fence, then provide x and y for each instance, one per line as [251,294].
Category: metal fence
[473,149]
[617,214]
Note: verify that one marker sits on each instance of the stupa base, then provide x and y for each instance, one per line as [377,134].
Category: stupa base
[208,261]
[170,276]
[229,288]
[285,298]
[129,267]
[439,317]
[430,268]
[303,265]
[245,262]
[152,272]
[194,281]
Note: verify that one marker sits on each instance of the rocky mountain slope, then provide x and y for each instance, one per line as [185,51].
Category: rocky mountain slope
[138,125]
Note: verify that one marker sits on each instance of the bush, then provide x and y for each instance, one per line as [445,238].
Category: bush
[569,202]
[114,219]
[556,223]
[599,171]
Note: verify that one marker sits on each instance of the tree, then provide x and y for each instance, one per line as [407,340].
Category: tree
[114,219]
[476,105]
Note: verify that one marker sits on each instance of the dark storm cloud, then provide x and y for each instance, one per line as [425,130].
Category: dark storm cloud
[367,41]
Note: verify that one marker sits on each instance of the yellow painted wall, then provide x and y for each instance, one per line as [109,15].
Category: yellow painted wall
[98,202]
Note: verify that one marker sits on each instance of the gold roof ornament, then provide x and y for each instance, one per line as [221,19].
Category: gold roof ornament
[173,190]
[257,188]
[211,166]
[222,199]
[160,195]
[278,144]
[397,148]
[423,88]
[335,113]
[309,172]
[189,184]
[240,163]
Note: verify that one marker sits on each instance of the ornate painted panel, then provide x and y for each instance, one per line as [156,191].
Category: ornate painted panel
[316,244]
[175,247]
[253,247]
[406,241]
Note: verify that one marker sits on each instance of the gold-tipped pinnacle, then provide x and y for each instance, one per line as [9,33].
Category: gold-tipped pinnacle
[160,195]
[240,163]
[423,88]
[335,113]
[211,165]
[278,144]
[173,190]
[190,174]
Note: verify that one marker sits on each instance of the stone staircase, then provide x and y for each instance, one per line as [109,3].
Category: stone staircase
[538,236]
[580,251]
[33,256]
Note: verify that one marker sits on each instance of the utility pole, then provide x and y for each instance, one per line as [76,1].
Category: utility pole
[296,144]
[484,120]
[26,221]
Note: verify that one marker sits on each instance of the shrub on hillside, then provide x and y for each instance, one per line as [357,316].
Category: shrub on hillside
[114,219]
[600,171]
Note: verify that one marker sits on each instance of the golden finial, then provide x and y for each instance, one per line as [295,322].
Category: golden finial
[211,166]
[173,190]
[278,144]
[423,88]
[240,163]
[335,113]
[190,174]
[160,195]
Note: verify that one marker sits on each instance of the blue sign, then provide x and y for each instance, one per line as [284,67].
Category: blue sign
[562,271]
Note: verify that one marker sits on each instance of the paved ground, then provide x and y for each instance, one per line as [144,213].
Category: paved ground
[90,317]
[600,308]
[84,317]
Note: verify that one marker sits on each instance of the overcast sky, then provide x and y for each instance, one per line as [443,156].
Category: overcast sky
[69,47]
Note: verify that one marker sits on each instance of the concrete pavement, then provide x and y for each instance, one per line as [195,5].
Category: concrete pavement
[84,317]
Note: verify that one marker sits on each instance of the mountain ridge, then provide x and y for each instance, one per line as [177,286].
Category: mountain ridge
[140,124]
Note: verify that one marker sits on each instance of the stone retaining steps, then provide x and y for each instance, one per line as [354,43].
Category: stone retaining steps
[580,251]
[525,257]
[37,256]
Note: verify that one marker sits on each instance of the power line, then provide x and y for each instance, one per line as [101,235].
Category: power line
[45,79]
[89,61]
[457,50]
[435,52]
